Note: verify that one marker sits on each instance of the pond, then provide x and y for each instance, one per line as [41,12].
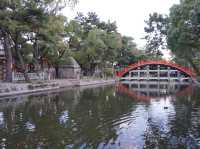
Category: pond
[128,116]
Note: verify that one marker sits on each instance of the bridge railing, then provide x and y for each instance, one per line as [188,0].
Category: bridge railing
[159,62]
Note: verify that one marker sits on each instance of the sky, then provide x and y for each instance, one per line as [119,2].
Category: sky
[128,14]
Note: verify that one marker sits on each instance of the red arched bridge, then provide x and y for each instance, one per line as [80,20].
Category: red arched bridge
[156,70]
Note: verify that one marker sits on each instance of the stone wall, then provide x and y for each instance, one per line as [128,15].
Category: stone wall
[70,69]
[69,72]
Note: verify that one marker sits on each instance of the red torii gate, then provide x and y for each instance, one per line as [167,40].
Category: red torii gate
[186,70]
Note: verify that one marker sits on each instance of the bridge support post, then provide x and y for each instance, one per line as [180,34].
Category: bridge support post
[139,76]
[148,72]
[168,73]
[158,73]
[158,77]
[129,75]
[179,76]
[139,72]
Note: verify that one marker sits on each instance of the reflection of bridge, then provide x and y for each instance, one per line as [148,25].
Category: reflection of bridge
[156,71]
[146,91]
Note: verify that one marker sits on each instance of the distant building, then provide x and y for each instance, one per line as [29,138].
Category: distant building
[70,69]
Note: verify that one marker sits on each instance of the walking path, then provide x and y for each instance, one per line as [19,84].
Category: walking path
[10,89]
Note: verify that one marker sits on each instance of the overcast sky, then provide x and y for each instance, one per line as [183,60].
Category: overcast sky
[129,14]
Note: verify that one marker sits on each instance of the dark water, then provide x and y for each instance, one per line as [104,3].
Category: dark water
[103,117]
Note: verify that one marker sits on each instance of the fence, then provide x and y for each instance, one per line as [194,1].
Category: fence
[17,76]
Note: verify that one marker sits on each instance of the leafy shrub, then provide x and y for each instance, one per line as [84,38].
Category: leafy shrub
[108,72]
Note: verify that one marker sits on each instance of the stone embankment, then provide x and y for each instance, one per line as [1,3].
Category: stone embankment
[10,89]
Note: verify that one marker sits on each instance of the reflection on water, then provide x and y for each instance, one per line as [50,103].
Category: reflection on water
[122,116]
[147,90]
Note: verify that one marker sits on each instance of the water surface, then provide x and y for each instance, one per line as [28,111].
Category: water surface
[122,116]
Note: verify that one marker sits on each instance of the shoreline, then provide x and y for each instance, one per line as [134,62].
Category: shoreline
[14,89]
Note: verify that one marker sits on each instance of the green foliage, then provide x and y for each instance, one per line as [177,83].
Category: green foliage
[124,54]
[108,72]
[184,32]
[180,31]
[156,30]
[38,33]
[35,31]
[95,43]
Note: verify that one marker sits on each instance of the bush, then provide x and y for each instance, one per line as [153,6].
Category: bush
[108,72]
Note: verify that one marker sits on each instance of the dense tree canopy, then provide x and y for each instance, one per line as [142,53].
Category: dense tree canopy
[32,31]
[97,44]
[35,33]
[180,32]
[183,32]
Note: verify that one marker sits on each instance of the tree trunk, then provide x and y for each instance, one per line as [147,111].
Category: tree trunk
[23,66]
[35,56]
[196,69]
[57,71]
[8,55]
[21,60]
